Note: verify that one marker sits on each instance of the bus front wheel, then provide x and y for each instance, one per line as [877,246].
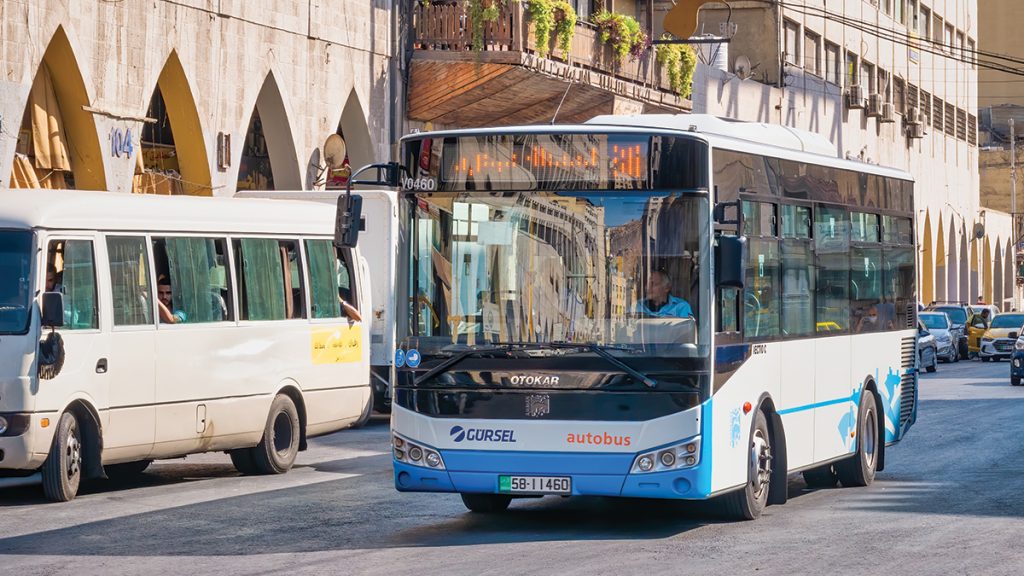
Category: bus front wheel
[486,503]
[62,471]
[276,452]
[748,502]
[859,469]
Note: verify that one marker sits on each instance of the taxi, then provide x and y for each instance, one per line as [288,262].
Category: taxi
[997,342]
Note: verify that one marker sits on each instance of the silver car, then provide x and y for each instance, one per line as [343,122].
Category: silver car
[940,326]
[927,350]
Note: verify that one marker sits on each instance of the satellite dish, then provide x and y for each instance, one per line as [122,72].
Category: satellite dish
[742,68]
[979,230]
[334,151]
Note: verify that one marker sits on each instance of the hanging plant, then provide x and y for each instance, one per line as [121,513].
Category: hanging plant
[549,16]
[481,13]
[679,60]
[623,33]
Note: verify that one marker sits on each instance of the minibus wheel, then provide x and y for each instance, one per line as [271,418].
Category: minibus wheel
[62,471]
[486,503]
[859,469]
[276,452]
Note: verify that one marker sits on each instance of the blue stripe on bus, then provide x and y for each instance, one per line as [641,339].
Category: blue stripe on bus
[850,398]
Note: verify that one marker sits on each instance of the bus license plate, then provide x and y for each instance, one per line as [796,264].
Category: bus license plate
[535,484]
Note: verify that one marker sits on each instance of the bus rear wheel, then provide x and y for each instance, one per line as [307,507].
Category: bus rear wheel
[748,502]
[62,471]
[276,452]
[859,469]
[486,503]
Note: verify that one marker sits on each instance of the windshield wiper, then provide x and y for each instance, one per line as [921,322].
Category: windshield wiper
[603,352]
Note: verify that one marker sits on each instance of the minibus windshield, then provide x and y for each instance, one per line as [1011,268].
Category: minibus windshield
[15,266]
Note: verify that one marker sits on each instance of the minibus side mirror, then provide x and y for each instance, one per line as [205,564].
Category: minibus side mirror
[53,310]
[730,257]
[346,225]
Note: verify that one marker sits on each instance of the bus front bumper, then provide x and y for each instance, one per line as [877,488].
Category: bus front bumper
[591,474]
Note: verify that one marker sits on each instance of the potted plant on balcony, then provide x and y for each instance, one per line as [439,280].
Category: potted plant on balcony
[679,61]
[481,13]
[624,35]
[549,16]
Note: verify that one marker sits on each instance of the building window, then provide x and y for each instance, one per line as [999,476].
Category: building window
[948,40]
[792,38]
[867,72]
[960,47]
[912,15]
[851,69]
[926,23]
[884,86]
[900,10]
[972,57]
[812,44]
[937,29]
[887,6]
[899,95]
[833,64]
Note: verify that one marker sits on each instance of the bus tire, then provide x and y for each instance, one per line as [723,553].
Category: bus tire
[821,477]
[367,412]
[62,470]
[126,470]
[486,503]
[748,502]
[859,469]
[276,452]
[242,460]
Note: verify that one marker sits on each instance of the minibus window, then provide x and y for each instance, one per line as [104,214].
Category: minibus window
[74,272]
[129,280]
[323,281]
[15,266]
[260,279]
[194,269]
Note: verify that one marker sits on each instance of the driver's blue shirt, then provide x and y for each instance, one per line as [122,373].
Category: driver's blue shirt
[674,307]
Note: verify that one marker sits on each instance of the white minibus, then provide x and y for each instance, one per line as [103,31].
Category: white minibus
[135,328]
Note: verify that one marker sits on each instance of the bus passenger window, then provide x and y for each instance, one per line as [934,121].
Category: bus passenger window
[260,278]
[761,298]
[74,274]
[129,280]
[194,271]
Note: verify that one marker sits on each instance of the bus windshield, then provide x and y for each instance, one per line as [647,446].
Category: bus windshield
[15,266]
[626,270]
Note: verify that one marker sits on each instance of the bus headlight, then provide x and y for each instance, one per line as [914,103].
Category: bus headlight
[409,452]
[676,457]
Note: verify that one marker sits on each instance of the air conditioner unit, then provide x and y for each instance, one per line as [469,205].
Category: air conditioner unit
[913,113]
[875,106]
[915,130]
[888,113]
[855,97]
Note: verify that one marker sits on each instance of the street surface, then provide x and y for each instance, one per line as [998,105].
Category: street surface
[949,502]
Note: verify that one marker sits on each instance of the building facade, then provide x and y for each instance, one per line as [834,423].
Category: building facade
[200,97]
[891,82]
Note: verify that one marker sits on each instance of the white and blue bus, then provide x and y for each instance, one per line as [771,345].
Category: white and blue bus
[654,306]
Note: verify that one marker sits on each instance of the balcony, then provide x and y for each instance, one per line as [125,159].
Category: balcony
[506,81]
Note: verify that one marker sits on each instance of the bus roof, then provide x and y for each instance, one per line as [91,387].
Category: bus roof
[771,140]
[85,210]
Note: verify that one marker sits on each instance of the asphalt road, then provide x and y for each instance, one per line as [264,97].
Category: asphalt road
[949,502]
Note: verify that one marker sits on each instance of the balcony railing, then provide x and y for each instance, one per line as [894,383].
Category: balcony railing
[450,28]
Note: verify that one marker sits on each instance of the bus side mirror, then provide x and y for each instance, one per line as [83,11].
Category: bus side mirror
[346,224]
[730,256]
[53,310]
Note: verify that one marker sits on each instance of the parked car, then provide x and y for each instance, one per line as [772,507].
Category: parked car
[960,315]
[941,327]
[1017,361]
[998,341]
[927,350]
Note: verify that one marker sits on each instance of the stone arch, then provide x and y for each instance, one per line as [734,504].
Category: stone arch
[173,149]
[353,129]
[940,264]
[269,159]
[927,262]
[997,279]
[62,142]
[986,272]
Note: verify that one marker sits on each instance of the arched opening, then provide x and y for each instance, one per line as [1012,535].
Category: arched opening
[269,159]
[927,262]
[974,289]
[986,273]
[952,276]
[997,280]
[172,158]
[965,283]
[57,143]
[940,264]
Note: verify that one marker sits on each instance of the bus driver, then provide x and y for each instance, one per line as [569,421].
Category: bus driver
[660,302]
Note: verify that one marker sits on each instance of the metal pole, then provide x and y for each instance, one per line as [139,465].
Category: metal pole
[1013,210]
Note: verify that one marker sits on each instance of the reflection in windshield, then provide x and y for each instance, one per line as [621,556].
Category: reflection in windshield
[607,269]
[934,321]
[1008,321]
[15,260]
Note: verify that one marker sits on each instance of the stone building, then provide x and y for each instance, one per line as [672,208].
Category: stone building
[892,82]
[197,97]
